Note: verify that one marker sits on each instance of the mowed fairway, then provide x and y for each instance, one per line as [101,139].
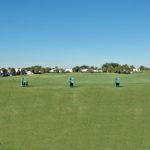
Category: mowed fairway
[95,115]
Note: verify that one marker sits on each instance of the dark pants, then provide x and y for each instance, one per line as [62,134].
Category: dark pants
[71,84]
[117,84]
[24,83]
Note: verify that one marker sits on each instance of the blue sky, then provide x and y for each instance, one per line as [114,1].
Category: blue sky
[67,33]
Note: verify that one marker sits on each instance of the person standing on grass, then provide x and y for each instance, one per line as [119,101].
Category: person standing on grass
[71,82]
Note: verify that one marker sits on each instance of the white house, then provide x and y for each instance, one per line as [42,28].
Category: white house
[95,70]
[69,70]
[136,70]
[84,70]
[52,70]
[29,72]
[17,69]
[100,70]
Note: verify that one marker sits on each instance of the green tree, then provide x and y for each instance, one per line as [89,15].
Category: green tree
[47,70]
[42,70]
[56,69]
[12,71]
[23,71]
[76,69]
[132,67]
[4,72]
[142,68]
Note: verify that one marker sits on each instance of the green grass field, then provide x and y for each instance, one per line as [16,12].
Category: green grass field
[95,115]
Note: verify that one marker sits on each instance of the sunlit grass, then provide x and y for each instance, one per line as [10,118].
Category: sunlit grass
[95,115]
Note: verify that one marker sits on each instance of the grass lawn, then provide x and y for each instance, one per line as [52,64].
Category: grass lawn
[95,115]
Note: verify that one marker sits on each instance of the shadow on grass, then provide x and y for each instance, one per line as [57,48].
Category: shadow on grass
[121,86]
[75,86]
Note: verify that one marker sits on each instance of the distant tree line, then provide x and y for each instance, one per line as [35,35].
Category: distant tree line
[142,68]
[110,67]
[88,68]
[107,67]
[117,68]
[33,69]
[123,69]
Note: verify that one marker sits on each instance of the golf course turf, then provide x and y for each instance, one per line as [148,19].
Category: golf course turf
[93,115]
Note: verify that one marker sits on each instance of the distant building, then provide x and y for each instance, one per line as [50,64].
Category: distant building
[69,70]
[84,70]
[136,70]
[52,70]
[18,69]
[95,70]
[100,70]
[29,72]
